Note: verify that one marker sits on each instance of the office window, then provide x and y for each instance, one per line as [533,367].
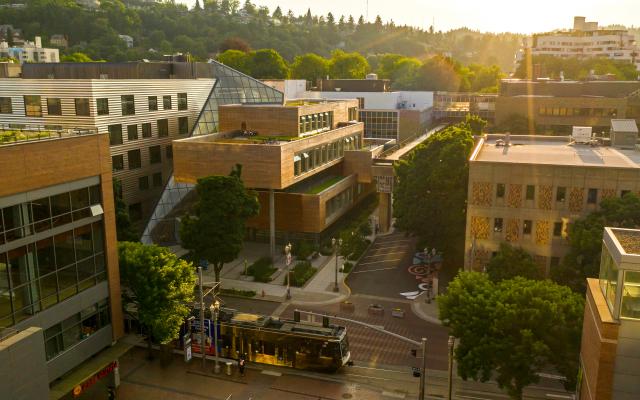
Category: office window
[132,132]
[54,107]
[154,155]
[115,134]
[182,101]
[500,189]
[526,227]
[82,107]
[157,179]
[166,102]
[561,194]
[592,196]
[117,162]
[169,150]
[557,229]
[153,103]
[135,212]
[103,106]
[135,161]
[497,225]
[143,183]
[531,192]
[183,125]
[128,105]
[5,105]
[163,127]
[32,106]
[146,130]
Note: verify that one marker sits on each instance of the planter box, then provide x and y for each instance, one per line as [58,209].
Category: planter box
[397,313]
[376,309]
[347,306]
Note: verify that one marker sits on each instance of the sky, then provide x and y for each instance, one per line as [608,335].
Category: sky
[484,15]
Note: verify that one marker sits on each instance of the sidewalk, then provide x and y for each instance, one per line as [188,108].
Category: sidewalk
[424,310]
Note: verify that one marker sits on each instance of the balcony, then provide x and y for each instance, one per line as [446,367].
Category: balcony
[14,135]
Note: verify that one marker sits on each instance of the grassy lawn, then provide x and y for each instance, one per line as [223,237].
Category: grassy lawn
[327,183]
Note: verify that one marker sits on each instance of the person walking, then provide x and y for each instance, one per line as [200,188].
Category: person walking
[241,365]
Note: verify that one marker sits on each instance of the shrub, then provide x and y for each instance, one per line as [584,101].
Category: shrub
[303,250]
[238,292]
[301,273]
[347,267]
[261,270]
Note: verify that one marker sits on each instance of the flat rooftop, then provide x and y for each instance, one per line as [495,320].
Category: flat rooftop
[629,239]
[553,150]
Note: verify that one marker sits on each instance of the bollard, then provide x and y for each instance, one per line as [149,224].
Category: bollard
[228,368]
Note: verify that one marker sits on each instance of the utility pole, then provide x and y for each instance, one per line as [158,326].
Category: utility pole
[450,345]
[422,344]
[202,335]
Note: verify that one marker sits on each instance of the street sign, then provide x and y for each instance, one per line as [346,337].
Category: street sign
[384,184]
[187,350]
[204,264]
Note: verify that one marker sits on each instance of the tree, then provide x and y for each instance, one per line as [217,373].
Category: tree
[76,57]
[518,124]
[513,329]
[510,262]
[215,231]
[236,59]
[197,6]
[160,285]
[234,43]
[475,123]
[585,239]
[267,64]
[310,67]
[431,193]
[277,13]
[331,20]
[124,230]
[348,65]
[439,74]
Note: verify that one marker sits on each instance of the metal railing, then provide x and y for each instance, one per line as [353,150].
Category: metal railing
[10,134]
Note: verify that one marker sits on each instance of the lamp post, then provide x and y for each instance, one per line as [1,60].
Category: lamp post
[215,309]
[450,345]
[287,251]
[336,247]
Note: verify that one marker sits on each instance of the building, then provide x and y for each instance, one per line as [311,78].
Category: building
[585,40]
[142,106]
[60,307]
[128,40]
[455,106]
[525,190]
[59,41]
[306,159]
[30,52]
[610,350]
[554,107]
[396,115]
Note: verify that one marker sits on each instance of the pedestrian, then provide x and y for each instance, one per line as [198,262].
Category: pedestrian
[241,363]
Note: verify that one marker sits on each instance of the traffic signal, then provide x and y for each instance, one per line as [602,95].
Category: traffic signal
[416,372]
[296,316]
[414,352]
[111,393]
[325,321]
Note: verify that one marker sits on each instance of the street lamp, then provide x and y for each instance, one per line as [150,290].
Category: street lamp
[215,309]
[336,251]
[287,251]
[450,344]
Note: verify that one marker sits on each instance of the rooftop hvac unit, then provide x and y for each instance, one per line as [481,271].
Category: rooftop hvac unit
[372,77]
[582,134]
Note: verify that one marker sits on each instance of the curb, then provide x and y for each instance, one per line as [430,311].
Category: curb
[421,314]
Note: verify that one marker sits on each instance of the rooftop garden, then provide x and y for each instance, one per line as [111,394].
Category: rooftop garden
[324,184]
[12,136]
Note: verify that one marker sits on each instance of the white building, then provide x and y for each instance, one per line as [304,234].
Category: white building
[585,40]
[30,52]
[128,40]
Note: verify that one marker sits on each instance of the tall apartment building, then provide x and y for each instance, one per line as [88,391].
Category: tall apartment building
[528,192]
[610,350]
[554,107]
[585,40]
[142,106]
[60,307]
[30,52]
[306,160]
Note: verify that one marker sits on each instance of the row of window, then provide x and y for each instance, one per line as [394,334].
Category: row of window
[135,158]
[116,136]
[309,159]
[561,193]
[156,179]
[559,228]
[609,275]
[577,112]
[380,124]
[25,219]
[338,203]
[37,276]
[316,122]
[64,335]
[33,105]
[353,111]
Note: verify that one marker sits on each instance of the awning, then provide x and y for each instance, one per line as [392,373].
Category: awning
[305,155]
[296,158]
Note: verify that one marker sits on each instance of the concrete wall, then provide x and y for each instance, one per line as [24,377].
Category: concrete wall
[23,369]
[381,100]
[82,351]
[626,375]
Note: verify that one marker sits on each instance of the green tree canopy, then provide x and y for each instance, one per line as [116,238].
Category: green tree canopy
[348,65]
[431,194]
[76,57]
[511,262]
[585,239]
[439,74]
[160,285]
[512,330]
[310,67]
[267,64]
[237,60]
[215,231]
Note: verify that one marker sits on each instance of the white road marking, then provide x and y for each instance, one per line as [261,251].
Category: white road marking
[559,396]
[551,376]
[371,270]
[395,241]
[384,254]
[394,395]
[379,262]
[272,373]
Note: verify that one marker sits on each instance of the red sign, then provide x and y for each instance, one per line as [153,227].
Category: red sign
[77,391]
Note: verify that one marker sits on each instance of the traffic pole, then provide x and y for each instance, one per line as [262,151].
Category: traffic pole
[450,344]
[423,373]
[202,335]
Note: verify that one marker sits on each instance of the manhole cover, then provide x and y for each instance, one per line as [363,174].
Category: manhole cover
[347,396]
